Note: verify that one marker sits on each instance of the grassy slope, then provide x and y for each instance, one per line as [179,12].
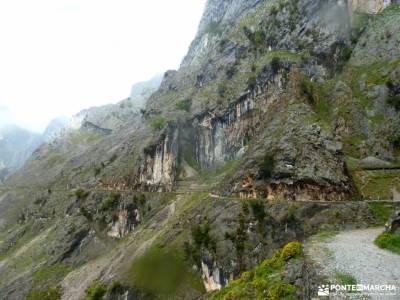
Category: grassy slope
[389,241]
[264,281]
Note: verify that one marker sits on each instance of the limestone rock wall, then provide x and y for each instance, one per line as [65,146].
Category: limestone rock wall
[227,136]
[125,220]
[157,170]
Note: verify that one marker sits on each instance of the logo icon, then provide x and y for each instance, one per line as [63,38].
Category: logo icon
[323,290]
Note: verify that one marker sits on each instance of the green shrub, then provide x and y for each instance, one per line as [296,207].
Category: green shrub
[222,45]
[86,213]
[251,82]
[116,288]
[111,202]
[275,64]
[256,38]
[264,281]
[239,237]
[139,200]
[394,101]
[396,142]
[253,66]
[274,10]
[48,294]
[158,123]
[291,250]
[81,194]
[346,53]
[230,71]
[202,238]
[258,210]
[388,241]
[96,291]
[266,166]
[184,105]
[48,273]
[160,273]
[308,90]
[221,88]
[259,38]
[345,279]
[381,212]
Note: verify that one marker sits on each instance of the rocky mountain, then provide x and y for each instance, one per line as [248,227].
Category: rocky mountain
[3,172]
[54,128]
[142,90]
[282,122]
[16,146]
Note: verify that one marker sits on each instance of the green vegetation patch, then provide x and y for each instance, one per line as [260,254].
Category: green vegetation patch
[162,273]
[48,294]
[325,236]
[346,279]
[202,239]
[158,123]
[377,185]
[392,9]
[264,281]
[50,274]
[81,194]
[382,212]
[388,241]
[84,137]
[111,202]
[55,159]
[96,291]
[209,175]
[184,105]
[266,166]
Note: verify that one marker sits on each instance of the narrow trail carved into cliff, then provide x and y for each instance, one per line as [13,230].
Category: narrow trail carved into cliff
[193,189]
[354,253]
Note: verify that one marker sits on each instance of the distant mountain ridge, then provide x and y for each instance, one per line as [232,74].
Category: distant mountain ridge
[17,144]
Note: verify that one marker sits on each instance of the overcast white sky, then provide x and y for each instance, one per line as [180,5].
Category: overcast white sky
[58,56]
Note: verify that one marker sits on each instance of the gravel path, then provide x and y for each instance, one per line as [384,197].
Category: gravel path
[353,252]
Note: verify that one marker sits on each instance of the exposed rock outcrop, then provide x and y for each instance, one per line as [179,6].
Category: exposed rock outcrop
[393,224]
[158,169]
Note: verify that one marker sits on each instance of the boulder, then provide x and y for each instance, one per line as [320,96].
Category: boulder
[393,225]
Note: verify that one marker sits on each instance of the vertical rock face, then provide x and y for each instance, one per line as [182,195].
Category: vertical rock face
[226,136]
[125,220]
[217,13]
[214,277]
[157,171]
[393,224]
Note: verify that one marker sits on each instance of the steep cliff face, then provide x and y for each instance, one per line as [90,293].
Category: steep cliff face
[157,172]
[239,64]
